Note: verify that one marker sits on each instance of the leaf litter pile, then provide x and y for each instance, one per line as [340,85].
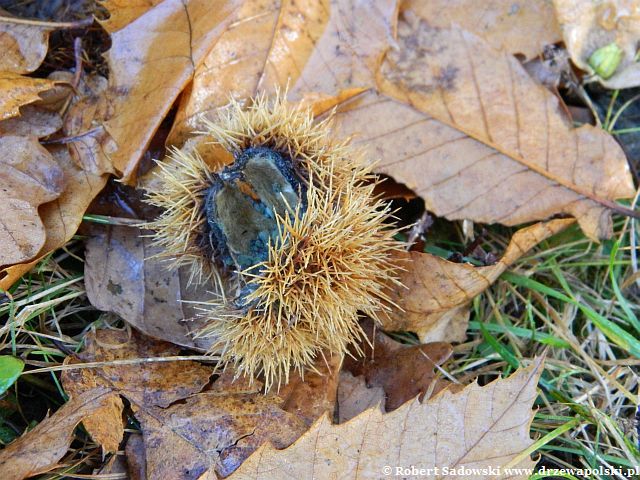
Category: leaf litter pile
[444,283]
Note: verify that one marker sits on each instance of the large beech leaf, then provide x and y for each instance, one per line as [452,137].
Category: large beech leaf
[150,62]
[322,46]
[476,137]
[477,427]
[517,26]
[123,276]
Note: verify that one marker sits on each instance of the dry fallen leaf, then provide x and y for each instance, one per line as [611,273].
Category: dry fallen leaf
[468,129]
[16,90]
[123,12]
[146,384]
[122,276]
[150,62]
[29,177]
[60,217]
[38,450]
[588,26]
[402,371]
[517,26]
[91,147]
[311,47]
[441,432]
[23,46]
[434,303]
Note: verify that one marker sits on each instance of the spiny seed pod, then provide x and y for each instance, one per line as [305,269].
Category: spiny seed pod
[291,232]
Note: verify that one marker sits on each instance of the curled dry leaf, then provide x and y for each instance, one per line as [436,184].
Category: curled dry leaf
[122,276]
[150,62]
[516,26]
[441,432]
[588,26]
[145,384]
[434,303]
[40,449]
[29,177]
[402,371]
[16,90]
[467,128]
[311,47]
[60,217]
[23,46]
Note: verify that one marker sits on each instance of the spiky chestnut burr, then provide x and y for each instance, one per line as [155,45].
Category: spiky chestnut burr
[291,232]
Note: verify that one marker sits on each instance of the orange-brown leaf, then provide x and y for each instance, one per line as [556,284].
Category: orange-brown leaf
[517,26]
[150,62]
[434,302]
[468,129]
[322,46]
[16,90]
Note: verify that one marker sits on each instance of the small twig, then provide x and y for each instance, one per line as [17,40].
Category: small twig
[130,361]
[77,52]
[52,25]
[73,138]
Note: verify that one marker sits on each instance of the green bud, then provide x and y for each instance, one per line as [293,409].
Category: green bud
[605,60]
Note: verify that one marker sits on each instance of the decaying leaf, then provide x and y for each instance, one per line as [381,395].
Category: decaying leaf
[434,302]
[150,62]
[16,90]
[315,393]
[402,371]
[212,431]
[23,46]
[145,384]
[122,276]
[478,427]
[38,450]
[589,26]
[354,396]
[520,26]
[29,177]
[468,129]
[311,47]
[185,433]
